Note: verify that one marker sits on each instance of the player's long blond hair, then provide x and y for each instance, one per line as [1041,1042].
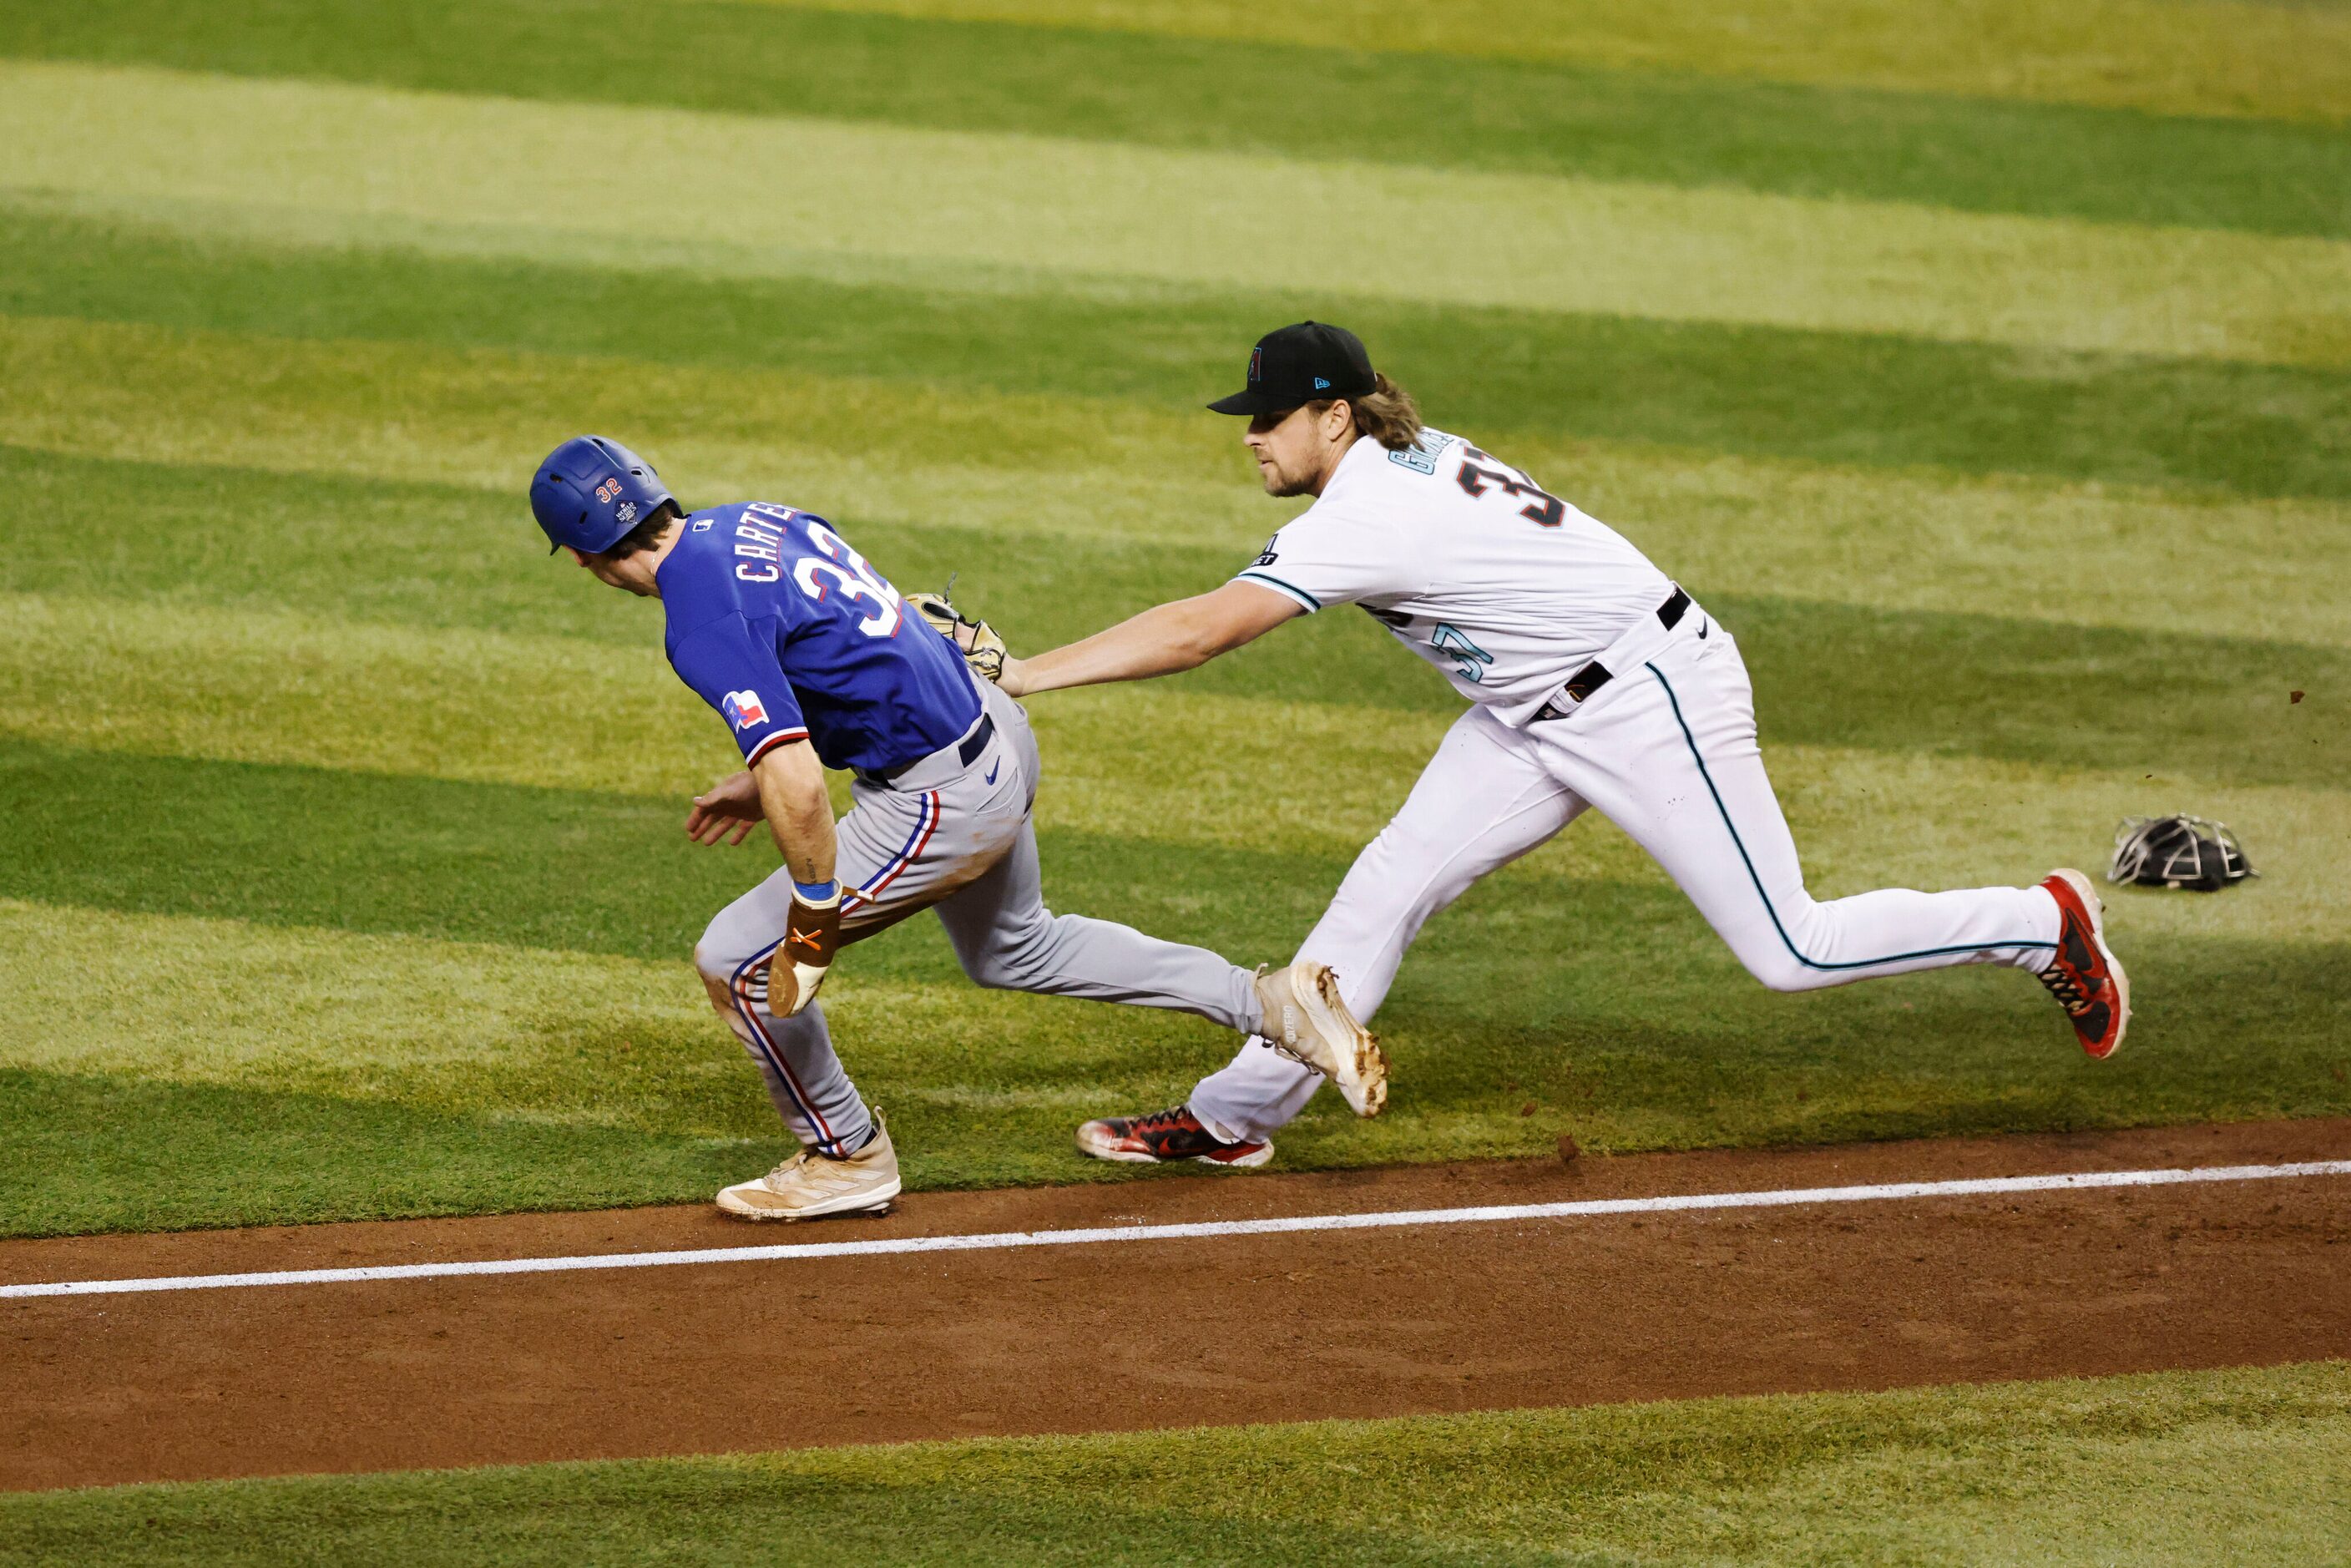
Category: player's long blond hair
[1386,413]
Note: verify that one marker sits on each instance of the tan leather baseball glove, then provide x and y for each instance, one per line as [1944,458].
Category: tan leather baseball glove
[976,641]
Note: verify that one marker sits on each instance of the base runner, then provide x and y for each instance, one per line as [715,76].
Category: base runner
[815,661]
[1595,683]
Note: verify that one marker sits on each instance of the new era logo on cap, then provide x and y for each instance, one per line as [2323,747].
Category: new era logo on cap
[1302,363]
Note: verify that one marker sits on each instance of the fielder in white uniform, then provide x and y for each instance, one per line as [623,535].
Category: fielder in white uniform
[1592,681]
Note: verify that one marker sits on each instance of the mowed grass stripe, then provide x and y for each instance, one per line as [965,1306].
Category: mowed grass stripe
[1672,128]
[487,1029]
[344,451]
[2197,56]
[1840,397]
[423,556]
[1640,1032]
[159,679]
[589,871]
[371,157]
[93,1153]
[404,412]
[2162,1467]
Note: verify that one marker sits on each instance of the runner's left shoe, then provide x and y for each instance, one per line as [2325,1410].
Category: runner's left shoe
[810,1185]
[2084,975]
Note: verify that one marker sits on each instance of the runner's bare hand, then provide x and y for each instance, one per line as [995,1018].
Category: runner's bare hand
[726,813]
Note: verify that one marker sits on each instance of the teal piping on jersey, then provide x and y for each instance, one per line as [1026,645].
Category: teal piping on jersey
[1300,594]
[1691,741]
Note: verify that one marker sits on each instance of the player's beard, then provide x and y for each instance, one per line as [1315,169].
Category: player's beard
[1279,485]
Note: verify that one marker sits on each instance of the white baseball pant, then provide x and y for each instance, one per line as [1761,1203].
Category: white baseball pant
[1667,750]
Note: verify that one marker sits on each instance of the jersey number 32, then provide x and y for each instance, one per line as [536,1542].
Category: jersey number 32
[852,577]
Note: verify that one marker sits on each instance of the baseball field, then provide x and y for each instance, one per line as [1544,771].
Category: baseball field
[1986,365]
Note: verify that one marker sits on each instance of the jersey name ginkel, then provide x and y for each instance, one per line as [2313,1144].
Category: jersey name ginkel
[1505,587]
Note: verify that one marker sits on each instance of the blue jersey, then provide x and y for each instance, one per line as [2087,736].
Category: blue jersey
[787,632]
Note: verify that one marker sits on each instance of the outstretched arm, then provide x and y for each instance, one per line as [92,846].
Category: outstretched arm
[1182,635]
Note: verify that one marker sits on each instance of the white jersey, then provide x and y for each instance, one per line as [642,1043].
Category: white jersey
[1507,589]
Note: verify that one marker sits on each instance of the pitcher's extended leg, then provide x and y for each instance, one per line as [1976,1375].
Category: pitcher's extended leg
[1483,801]
[1673,761]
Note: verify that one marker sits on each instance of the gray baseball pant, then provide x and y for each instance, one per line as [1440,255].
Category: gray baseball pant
[956,839]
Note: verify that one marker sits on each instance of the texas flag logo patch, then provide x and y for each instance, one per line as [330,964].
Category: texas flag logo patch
[744,711]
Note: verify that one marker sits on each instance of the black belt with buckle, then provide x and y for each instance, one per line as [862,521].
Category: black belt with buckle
[968,753]
[1595,674]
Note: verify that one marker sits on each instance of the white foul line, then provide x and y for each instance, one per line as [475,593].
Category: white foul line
[995,1240]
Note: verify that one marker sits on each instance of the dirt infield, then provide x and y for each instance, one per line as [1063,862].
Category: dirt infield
[763,1354]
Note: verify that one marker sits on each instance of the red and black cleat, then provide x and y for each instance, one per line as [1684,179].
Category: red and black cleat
[2086,977]
[1171,1134]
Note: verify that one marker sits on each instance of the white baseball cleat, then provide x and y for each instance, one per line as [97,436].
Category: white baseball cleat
[1305,1021]
[810,1185]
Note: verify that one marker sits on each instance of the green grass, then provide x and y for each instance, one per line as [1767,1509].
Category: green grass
[1672,128]
[240,1150]
[2190,57]
[873,450]
[395,962]
[2252,430]
[280,709]
[2241,1466]
[2011,433]
[1983,364]
[763,195]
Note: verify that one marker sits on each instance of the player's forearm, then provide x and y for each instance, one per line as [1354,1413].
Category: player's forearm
[792,797]
[1163,640]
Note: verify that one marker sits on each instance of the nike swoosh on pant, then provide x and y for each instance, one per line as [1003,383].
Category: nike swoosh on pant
[992,770]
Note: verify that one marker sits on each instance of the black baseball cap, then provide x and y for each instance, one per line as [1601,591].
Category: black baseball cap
[1301,364]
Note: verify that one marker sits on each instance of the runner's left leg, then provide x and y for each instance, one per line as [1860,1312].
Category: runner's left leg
[965,847]
[898,852]
[805,1083]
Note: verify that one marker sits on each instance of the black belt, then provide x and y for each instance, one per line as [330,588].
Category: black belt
[1595,674]
[968,753]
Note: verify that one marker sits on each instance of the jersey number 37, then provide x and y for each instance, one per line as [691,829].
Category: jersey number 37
[1479,472]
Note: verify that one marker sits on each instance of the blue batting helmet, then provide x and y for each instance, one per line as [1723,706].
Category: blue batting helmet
[591,491]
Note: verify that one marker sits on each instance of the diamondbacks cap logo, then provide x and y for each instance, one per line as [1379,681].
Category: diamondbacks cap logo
[1256,364]
[744,710]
